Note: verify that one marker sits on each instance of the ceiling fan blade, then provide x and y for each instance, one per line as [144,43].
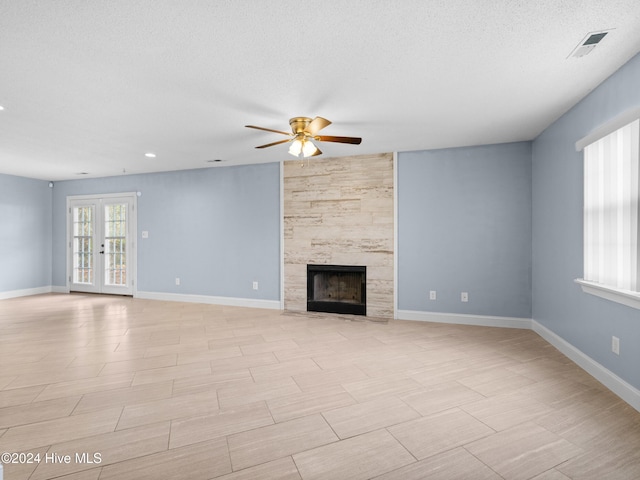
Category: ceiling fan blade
[329,138]
[316,125]
[268,130]
[274,143]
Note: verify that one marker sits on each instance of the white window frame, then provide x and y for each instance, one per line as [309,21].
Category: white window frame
[626,297]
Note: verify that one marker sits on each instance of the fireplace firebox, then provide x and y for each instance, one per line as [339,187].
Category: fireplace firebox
[337,289]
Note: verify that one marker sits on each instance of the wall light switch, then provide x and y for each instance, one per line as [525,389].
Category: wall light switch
[145,234]
[177,280]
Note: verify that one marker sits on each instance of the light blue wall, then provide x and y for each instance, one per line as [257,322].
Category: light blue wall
[25,233]
[464,224]
[585,321]
[218,229]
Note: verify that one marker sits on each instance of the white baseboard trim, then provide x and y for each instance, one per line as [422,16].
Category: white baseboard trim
[57,289]
[625,391]
[464,319]
[26,292]
[211,300]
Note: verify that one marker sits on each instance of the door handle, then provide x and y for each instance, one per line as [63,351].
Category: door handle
[102,252]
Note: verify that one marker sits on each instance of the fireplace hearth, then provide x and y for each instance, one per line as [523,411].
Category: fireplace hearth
[337,289]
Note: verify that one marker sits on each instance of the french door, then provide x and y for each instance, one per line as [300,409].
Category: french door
[101,248]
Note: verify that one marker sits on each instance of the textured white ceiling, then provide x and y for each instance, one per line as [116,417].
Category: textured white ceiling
[90,86]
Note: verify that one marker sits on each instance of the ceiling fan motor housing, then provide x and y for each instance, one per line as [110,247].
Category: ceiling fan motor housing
[299,124]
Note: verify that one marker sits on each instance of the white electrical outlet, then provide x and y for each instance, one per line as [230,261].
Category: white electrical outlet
[255,285]
[177,280]
[432,295]
[464,297]
[615,345]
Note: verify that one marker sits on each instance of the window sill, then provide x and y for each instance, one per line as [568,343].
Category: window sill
[625,297]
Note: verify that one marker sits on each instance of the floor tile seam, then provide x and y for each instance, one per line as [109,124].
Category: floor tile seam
[478,419]
[15,377]
[156,401]
[65,441]
[170,433]
[115,428]
[136,370]
[105,464]
[134,384]
[386,427]
[399,397]
[337,440]
[478,458]
[134,402]
[330,426]
[30,401]
[251,372]
[266,404]
[70,414]
[48,448]
[563,462]
[531,421]
[485,397]
[258,465]
[297,466]
[400,443]
[226,439]
[494,431]
[17,425]
[151,454]
[151,422]
[564,434]
[75,407]
[316,364]
[173,386]
[107,389]
[8,386]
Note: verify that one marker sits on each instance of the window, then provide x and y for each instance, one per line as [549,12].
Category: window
[611,208]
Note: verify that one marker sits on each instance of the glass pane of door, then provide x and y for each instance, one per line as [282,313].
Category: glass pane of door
[83,245]
[115,244]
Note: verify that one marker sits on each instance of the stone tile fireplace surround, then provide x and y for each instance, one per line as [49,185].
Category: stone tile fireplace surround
[339,211]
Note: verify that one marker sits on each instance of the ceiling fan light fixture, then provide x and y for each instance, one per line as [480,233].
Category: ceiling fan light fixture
[296,147]
[309,149]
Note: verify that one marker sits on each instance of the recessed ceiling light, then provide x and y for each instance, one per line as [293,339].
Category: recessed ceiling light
[1,107]
[150,155]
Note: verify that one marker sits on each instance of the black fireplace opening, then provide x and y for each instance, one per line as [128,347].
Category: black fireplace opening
[337,289]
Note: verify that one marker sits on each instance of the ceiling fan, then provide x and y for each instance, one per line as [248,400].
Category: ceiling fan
[304,132]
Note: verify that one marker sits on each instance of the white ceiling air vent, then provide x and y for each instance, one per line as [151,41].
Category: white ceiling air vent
[588,43]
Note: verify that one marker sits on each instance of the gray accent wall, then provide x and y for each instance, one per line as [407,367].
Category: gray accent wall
[218,229]
[25,233]
[464,225]
[585,321]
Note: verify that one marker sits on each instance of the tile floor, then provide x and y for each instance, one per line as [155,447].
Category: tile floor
[163,390]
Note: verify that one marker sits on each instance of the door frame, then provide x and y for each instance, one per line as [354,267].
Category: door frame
[132,270]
